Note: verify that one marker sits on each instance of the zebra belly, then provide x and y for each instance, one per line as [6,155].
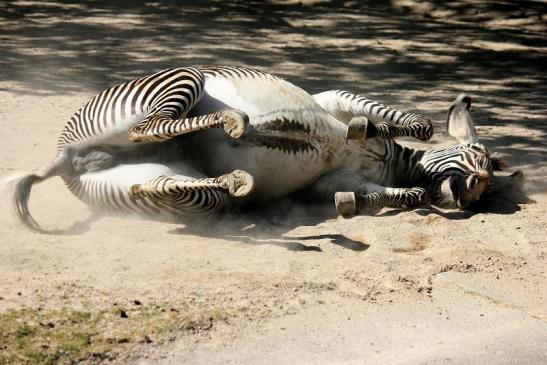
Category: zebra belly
[290,143]
[265,100]
[276,172]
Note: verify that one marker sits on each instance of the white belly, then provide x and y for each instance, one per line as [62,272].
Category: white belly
[281,161]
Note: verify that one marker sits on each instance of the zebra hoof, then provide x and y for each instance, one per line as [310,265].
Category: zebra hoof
[360,128]
[345,204]
[238,183]
[235,122]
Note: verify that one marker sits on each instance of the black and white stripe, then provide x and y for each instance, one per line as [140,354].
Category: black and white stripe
[391,123]
[238,72]
[461,159]
[169,93]
[198,198]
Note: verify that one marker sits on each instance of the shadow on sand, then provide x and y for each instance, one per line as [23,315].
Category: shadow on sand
[272,225]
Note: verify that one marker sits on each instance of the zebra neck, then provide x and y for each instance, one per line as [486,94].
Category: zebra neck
[406,168]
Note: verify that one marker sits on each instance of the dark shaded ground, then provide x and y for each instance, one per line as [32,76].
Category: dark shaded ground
[401,52]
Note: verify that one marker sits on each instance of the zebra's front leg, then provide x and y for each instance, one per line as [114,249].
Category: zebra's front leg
[350,203]
[368,119]
[362,128]
[161,127]
[196,195]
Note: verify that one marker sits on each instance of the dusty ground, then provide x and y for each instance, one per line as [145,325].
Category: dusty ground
[289,284]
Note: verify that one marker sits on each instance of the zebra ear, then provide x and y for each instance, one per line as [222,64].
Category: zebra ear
[513,182]
[498,163]
[459,122]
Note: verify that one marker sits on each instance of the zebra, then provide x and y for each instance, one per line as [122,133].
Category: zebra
[154,146]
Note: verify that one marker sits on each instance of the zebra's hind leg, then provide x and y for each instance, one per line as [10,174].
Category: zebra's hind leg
[160,127]
[368,119]
[350,203]
[195,194]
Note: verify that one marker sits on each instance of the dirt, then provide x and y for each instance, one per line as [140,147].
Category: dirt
[288,283]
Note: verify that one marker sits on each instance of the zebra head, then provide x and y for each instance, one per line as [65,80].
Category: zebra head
[462,174]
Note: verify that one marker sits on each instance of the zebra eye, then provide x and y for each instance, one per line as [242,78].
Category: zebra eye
[472,181]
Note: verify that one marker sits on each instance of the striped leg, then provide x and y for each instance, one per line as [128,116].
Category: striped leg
[161,127]
[368,119]
[352,192]
[349,203]
[173,190]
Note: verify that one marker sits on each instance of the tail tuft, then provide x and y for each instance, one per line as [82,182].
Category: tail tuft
[21,194]
[22,186]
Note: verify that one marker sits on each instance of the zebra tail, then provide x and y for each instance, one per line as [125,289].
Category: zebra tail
[21,194]
[22,187]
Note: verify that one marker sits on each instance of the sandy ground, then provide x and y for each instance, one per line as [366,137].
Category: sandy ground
[297,284]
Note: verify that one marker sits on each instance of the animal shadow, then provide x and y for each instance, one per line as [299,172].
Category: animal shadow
[270,225]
